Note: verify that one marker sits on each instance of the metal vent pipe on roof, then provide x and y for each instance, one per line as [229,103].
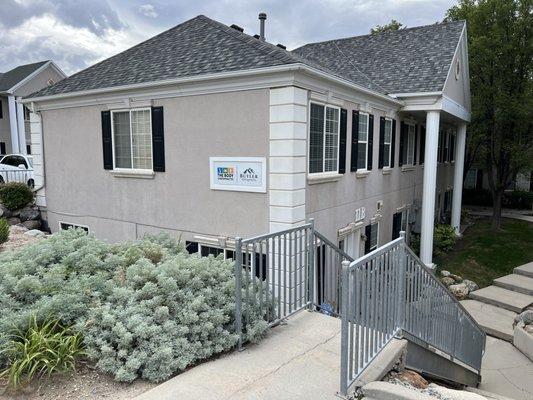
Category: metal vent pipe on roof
[262,19]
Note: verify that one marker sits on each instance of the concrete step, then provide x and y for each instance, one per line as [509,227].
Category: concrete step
[504,298]
[495,321]
[526,270]
[516,283]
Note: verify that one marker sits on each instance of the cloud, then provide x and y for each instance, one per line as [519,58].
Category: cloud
[148,10]
[78,33]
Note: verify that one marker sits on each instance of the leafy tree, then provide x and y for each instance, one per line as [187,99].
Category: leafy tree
[501,51]
[391,26]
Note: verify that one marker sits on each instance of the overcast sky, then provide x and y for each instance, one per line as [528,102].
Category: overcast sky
[78,33]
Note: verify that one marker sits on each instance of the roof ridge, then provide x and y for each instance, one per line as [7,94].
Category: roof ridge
[383,33]
[248,39]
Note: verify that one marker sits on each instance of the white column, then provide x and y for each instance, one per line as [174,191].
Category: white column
[21,127]
[13,124]
[458,177]
[36,132]
[429,187]
[287,161]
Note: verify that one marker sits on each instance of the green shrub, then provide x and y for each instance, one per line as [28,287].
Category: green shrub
[41,349]
[145,309]
[15,195]
[4,230]
[443,239]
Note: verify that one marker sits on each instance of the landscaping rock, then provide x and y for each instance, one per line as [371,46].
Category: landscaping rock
[529,329]
[32,224]
[456,278]
[29,213]
[448,281]
[471,285]
[13,220]
[412,378]
[526,318]
[445,273]
[4,212]
[35,233]
[460,291]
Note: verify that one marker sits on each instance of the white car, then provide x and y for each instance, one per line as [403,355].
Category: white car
[17,168]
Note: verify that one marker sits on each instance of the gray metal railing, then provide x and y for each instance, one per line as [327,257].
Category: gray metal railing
[328,259]
[273,276]
[390,292]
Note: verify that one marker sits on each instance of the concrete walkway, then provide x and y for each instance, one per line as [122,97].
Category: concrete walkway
[524,215]
[300,360]
[506,371]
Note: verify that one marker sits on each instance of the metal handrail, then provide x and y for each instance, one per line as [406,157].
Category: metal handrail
[390,291]
[333,246]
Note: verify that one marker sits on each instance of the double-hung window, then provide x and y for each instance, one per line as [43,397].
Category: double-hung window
[132,139]
[324,139]
[411,137]
[362,142]
[387,143]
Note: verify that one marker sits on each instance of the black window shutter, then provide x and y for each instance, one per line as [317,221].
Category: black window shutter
[342,141]
[381,140]
[422,143]
[107,142]
[396,225]
[158,139]
[416,144]
[368,230]
[452,148]
[401,156]
[393,143]
[355,138]
[370,150]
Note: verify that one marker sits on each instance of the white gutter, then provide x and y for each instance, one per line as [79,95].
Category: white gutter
[416,94]
[220,75]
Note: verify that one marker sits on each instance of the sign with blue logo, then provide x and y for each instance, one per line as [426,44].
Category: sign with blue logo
[243,174]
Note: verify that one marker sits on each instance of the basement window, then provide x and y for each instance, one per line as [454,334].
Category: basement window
[67,225]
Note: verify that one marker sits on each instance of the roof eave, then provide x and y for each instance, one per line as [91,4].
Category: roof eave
[219,75]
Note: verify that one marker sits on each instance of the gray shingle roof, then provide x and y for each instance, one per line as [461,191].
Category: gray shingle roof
[404,61]
[11,78]
[195,47]
[203,46]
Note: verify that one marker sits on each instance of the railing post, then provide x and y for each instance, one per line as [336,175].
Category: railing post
[311,265]
[238,290]
[402,255]
[344,327]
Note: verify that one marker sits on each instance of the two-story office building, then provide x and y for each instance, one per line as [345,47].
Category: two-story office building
[209,133]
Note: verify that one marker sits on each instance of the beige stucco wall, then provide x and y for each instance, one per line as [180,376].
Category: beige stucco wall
[333,204]
[79,190]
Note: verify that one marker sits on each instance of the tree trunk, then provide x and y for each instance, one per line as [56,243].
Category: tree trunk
[497,210]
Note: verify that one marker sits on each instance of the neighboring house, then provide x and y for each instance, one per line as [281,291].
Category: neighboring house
[207,132]
[478,179]
[14,117]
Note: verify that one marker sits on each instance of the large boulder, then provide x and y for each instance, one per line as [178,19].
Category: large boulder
[35,233]
[4,212]
[471,285]
[523,319]
[456,278]
[445,273]
[32,224]
[13,220]
[448,281]
[460,291]
[29,213]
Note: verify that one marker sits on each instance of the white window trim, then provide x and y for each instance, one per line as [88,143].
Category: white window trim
[333,174]
[60,223]
[127,171]
[365,169]
[389,143]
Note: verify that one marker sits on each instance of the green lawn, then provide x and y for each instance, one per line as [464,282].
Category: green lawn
[482,255]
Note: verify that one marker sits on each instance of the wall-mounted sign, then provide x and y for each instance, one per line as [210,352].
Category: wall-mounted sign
[243,174]
[360,214]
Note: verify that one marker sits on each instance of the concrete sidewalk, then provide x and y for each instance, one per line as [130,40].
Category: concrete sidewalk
[506,371]
[300,360]
[524,215]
